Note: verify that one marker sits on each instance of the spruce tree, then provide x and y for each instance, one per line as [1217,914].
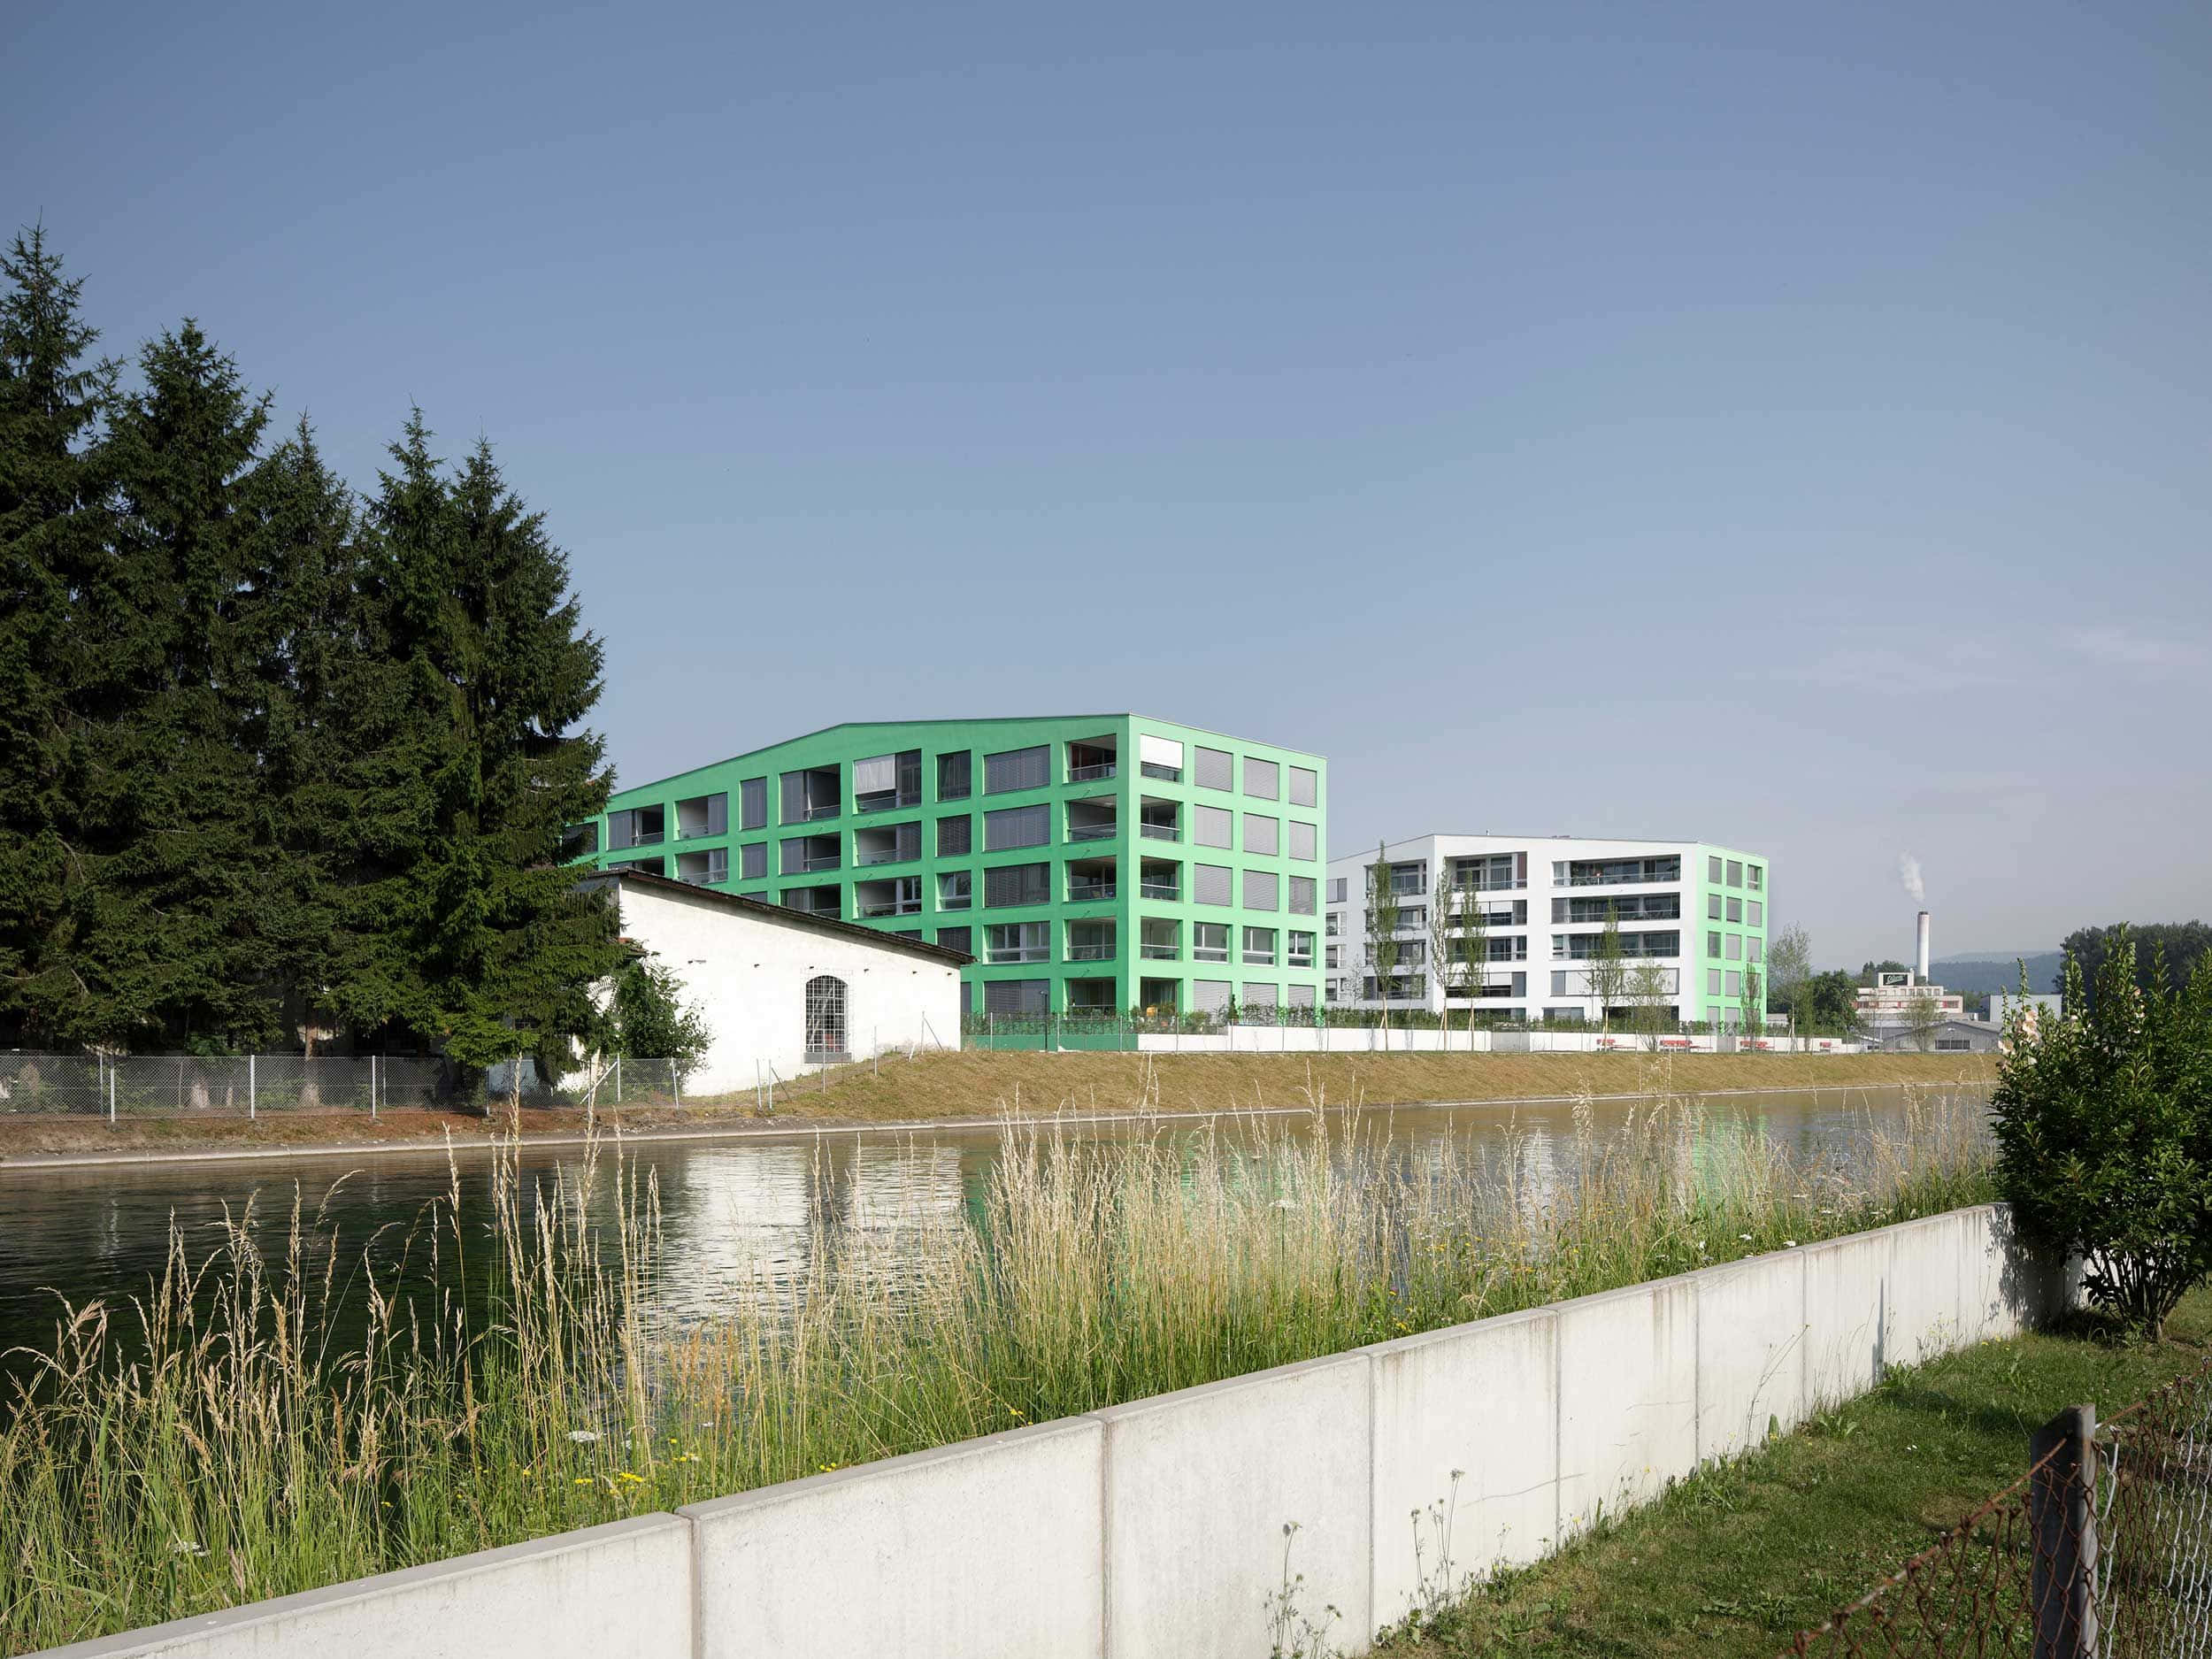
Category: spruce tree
[53,540]
[492,950]
[169,789]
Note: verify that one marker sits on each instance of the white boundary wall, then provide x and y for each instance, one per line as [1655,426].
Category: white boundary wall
[1370,1039]
[1155,1529]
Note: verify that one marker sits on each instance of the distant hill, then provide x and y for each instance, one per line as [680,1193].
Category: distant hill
[1979,976]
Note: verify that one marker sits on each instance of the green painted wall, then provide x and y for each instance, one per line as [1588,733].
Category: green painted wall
[1707,1005]
[1125,972]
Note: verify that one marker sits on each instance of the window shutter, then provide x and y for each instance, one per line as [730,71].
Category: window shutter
[1209,996]
[1159,751]
[1215,769]
[955,836]
[1017,826]
[1304,785]
[1305,846]
[1017,769]
[1260,995]
[753,858]
[1209,883]
[752,796]
[958,938]
[1261,835]
[1259,890]
[1213,827]
[1302,997]
[1261,779]
[910,841]
[1302,896]
[878,774]
[795,797]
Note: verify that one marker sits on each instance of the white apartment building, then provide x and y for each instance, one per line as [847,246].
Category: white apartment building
[1694,912]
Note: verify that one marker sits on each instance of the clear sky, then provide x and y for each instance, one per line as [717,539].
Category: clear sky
[1784,425]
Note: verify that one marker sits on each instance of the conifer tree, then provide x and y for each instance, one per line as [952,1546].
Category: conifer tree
[169,790]
[491,950]
[53,540]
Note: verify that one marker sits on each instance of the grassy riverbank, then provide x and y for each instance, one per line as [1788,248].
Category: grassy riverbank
[1737,1560]
[226,1451]
[974,1083]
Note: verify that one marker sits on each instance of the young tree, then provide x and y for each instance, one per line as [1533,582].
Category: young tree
[1606,976]
[1382,930]
[2103,1123]
[1474,950]
[1790,972]
[1648,995]
[1443,955]
[648,1017]
[1754,1005]
[54,536]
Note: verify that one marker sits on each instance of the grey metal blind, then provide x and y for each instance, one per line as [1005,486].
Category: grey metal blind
[1259,890]
[1305,786]
[795,797]
[1213,827]
[1017,826]
[1213,769]
[957,939]
[1304,843]
[1260,995]
[794,855]
[955,836]
[1302,997]
[752,861]
[1018,769]
[1209,996]
[910,841]
[1262,835]
[1017,884]
[1209,883]
[1263,778]
[752,801]
[953,782]
[1302,896]
[1016,996]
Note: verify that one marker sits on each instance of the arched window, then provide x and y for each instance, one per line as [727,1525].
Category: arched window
[825,1018]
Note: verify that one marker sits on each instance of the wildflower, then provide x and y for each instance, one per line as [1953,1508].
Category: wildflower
[688,1458]
[584,1437]
[633,1478]
[1745,1237]
[186,1547]
[580,1481]
[1789,1244]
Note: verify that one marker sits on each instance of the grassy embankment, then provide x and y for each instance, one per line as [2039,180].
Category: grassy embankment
[975,1084]
[225,1451]
[1737,1559]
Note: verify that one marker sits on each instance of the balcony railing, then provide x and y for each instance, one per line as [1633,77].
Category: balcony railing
[653,838]
[886,802]
[707,878]
[1089,892]
[1090,953]
[1020,953]
[1160,832]
[1086,774]
[1259,958]
[1167,890]
[817,861]
[893,907]
[1165,774]
[1619,880]
[1209,953]
[893,857]
[1093,832]
[961,901]
[1496,884]
[1161,952]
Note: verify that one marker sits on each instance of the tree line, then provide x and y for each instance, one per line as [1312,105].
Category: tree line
[280,763]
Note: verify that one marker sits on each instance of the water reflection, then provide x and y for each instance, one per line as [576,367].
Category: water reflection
[740,1219]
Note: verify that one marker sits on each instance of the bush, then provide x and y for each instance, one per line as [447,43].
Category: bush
[649,1019]
[2103,1122]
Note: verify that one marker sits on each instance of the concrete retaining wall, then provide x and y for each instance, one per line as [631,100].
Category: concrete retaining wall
[1156,1528]
[1368,1039]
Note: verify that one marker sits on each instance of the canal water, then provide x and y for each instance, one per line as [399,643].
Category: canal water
[732,1210]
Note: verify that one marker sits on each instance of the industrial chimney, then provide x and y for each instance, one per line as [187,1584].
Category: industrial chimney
[1921,956]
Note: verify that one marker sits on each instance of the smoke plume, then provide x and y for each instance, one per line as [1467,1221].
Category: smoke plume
[1908,872]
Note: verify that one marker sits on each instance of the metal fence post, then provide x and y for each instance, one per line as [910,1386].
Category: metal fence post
[372,1088]
[252,1085]
[112,1097]
[2062,1535]
[675,1083]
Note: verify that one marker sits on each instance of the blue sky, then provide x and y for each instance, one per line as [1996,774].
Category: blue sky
[1780,426]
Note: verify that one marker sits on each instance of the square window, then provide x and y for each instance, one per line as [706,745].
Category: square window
[1260,891]
[1735,983]
[1712,907]
[955,836]
[1712,945]
[956,891]
[1014,769]
[1753,877]
[1213,827]
[1305,787]
[753,862]
[1302,896]
[1212,884]
[1262,780]
[1262,833]
[1214,768]
[957,938]
[1757,947]
[1014,826]
[955,776]
[1712,981]
[1735,947]
[1754,912]
[752,803]
[1735,909]
[1735,873]
[1339,887]
[1712,871]
[1304,842]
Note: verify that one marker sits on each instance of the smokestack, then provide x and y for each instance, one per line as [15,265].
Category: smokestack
[1922,954]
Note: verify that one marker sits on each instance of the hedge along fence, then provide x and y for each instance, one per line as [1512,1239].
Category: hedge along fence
[1156,1528]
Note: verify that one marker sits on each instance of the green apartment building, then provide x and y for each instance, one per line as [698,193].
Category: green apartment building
[1089,862]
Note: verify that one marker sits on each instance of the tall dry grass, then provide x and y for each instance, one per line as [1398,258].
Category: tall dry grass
[214,1441]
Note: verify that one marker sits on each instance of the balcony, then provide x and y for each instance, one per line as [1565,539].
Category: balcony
[1160,940]
[1153,832]
[1493,884]
[892,844]
[1164,775]
[1168,890]
[806,854]
[702,815]
[1018,953]
[637,827]
[1090,892]
[869,911]
[812,794]
[1093,880]
[1094,820]
[1091,759]
[706,869]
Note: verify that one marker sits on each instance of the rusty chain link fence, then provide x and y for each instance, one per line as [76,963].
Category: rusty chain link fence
[2102,1550]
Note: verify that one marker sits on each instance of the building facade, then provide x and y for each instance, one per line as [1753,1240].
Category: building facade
[1692,916]
[784,993]
[1089,862]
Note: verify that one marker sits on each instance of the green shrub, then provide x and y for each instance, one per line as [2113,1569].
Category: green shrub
[2103,1122]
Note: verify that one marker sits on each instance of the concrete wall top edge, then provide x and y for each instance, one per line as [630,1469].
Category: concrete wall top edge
[1458,1333]
[154,1638]
[958,1451]
[1274,1376]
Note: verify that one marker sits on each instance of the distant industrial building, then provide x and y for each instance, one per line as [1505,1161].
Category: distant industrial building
[1905,1002]
[1697,912]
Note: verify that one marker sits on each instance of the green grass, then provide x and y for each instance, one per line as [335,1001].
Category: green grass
[1737,1559]
[231,1450]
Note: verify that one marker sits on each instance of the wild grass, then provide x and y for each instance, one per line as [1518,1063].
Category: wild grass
[216,1440]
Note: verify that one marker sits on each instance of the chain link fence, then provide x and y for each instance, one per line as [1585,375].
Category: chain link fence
[116,1086]
[2102,1550]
